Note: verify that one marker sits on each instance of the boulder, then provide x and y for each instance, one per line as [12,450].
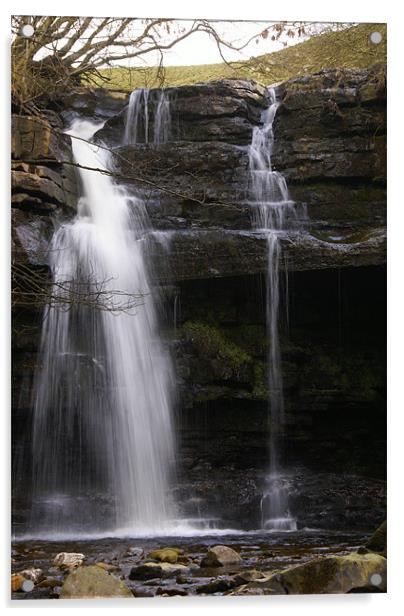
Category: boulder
[150,570]
[221,556]
[331,574]
[165,555]
[92,583]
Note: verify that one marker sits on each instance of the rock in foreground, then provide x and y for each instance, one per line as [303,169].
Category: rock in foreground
[329,575]
[92,583]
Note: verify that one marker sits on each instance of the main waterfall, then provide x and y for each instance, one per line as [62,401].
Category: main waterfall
[103,445]
[273,214]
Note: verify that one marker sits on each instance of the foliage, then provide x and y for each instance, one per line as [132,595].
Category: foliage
[348,48]
[65,51]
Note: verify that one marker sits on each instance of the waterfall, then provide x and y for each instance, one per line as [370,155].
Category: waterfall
[103,445]
[148,118]
[273,213]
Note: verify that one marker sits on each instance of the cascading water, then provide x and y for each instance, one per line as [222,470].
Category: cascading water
[103,445]
[148,118]
[273,213]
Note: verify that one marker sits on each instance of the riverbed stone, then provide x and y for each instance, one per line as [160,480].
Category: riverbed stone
[331,574]
[68,560]
[221,556]
[220,584]
[150,570]
[93,582]
[16,581]
[32,574]
[166,555]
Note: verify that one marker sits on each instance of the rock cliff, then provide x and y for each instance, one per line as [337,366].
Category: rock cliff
[330,144]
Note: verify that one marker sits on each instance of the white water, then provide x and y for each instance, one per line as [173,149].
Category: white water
[273,214]
[148,118]
[103,445]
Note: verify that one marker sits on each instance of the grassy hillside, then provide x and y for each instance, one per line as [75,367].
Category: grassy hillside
[348,48]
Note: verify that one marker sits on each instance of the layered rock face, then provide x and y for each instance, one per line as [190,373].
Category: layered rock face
[330,145]
[44,194]
[330,139]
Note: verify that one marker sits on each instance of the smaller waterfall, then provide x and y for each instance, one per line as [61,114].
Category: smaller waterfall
[148,118]
[273,213]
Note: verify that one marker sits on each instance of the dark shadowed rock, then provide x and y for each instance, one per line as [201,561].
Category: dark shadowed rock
[378,541]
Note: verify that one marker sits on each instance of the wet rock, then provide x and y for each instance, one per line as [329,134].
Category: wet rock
[220,584]
[224,110]
[378,541]
[250,575]
[68,560]
[331,574]
[16,582]
[49,583]
[107,566]
[181,579]
[150,570]
[171,591]
[93,582]
[32,574]
[165,555]
[134,553]
[55,592]
[220,556]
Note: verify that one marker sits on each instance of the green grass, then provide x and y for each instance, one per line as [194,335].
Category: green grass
[349,48]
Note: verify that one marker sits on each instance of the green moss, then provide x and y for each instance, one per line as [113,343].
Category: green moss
[348,48]
[210,342]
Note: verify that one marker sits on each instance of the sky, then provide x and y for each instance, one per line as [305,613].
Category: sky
[200,48]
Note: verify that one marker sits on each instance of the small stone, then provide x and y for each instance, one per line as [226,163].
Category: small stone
[32,574]
[220,556]
[68,560]
[167,591]
[135,553]
[220,584]
[16,582]
[182,580]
